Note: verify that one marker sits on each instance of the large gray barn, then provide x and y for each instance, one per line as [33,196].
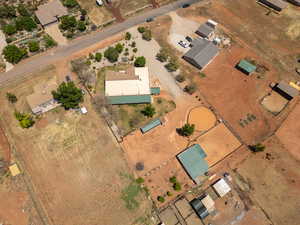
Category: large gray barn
[277,5]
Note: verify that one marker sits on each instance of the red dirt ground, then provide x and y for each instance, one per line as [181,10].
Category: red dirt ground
[4,147]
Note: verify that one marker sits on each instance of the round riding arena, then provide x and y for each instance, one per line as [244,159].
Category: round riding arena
[202,117]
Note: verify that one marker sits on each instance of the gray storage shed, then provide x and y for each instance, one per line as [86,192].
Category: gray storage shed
[277,5]
[286,90]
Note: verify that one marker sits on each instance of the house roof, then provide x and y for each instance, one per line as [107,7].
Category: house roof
[205,29]
[192,159]
[285,87]
[221,187]
[280,4]
[202,52]
[199,208]
[133,83]
[247,66]
[42,93]
[208,202]
[129,99]
[151,125]
[49,12]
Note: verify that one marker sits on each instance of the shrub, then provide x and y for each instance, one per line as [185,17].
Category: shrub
[172,66]
[33,46]
[133,44]
[49,41]
[22,10]
[173,180]
[141,29]
[81,26]
[83,12]
[70,3]
[140,180]
[7,11]
[13,54]
[91,56]
[69,34]
[162,56]
[140,61]
[12,98]
[190,89]
[135,50]
[25,23]
[169,193]
[127,36]
[161,199]
[257,148]
[67,22]
[177,186]
[24,119]
[202,75]
[111,54]
[119,47]
[186,130]
[9,29]
[180,78]
[147,35]
[148,111]
[98,56]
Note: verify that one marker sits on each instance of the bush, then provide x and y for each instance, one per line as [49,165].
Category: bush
[177,186]
[172,66]
[12,98]
[180,78]
[173,180]
[9,29]
[22,10]
[68,95]
[98,56]
[111,54]
[140,180]
[83,12]
[190,89]
[169,193]
[257,148]
[141,29]
[33,46]
[135,50]
[202,75]
[127,36]
[133,44]
[140,61]
[186,130]
[13,54]
[148,111]
[70,3]
[81,26]
[49,41]
[147,35]
[119,47]
[9,40]
[67,22]
[161,199]
[25,23]
[7,11]
[162,56]
[24,119]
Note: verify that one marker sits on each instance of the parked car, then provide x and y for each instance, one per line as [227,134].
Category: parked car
[184,44]
[149,19]
[68,78]
[189,39]
[185,5]
[99,2]
[298,70]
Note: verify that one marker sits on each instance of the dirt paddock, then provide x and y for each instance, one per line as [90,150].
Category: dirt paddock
[202,118]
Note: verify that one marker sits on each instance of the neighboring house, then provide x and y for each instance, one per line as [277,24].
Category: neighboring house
[221,187]
[50,12]
[201,53]
[285,90]
[246,67]
[295,2]
[42,100]
[131,86]
[277,5]
[207,30]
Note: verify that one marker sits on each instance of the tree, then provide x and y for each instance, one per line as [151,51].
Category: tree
[12,98]
[67,22]
[177,186]
[135,50]
[13,54]
[140,180]
[180,78]
[83,12]
[190,89]
[33,46]
[127,36]
[172,66]
[140,61]
[161,199]
[9,29]
[111,54]
[173,180]
[147,35]
[81,26]
[25,23]
[141,29]
[24,119]
[162,56]
[23,10]
[49,42]
[119,47]
[98,56]
[148,111]
[68,95]
[70,3]
[257,148]
[186,130]
[7,11]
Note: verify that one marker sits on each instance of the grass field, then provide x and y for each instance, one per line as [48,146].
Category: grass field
[131,5]
[74,163]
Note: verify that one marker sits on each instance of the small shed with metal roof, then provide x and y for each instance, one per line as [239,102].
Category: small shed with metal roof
[155,90]
[246,67]
[151,125]
[286,90]
[129,99]
[277,5]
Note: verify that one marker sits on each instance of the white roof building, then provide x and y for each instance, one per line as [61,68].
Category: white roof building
[221,187]
[133,81]
[209,203]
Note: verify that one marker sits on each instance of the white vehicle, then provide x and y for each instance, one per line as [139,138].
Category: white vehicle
[184,44]
[99,2]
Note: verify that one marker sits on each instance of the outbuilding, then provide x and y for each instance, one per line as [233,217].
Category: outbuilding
[245,67]
[221,187]
[295,2]
[151,125]
[277,5]
[286,90]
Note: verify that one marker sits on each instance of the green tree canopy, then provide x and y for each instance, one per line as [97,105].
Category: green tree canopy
[186,130]
[9,29]
[119,47]
[68,22]
[33,46]
[140,61]
[127,36]
[68,95]
[25,23]
[24,119]
[49,42]
[23,10]
[12,98]
[13,54]
[148,111]
[257,148]
[98,56]
[7,11]
[147,35]
[81,26]
[111,54]
[70,3]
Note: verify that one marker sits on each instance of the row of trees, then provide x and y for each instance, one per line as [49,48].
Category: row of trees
[19,24]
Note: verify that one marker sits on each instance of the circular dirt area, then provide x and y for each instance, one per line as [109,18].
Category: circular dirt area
[202,117]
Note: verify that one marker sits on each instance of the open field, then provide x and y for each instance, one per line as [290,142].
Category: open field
[77,169]
[127,6]
[98,14]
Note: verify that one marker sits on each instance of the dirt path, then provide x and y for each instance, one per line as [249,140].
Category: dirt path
[115,9]
[4,146]
[154,3]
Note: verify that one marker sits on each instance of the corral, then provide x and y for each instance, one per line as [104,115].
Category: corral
[274,102]
[202,118]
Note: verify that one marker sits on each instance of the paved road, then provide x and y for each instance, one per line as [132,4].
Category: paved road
[30,65]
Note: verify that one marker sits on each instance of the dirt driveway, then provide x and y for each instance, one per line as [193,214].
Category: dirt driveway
[54,32]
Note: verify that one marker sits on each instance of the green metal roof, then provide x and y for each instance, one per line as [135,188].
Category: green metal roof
[155,90]
[151,125]
[192,159]
[247,66]
[129,99]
